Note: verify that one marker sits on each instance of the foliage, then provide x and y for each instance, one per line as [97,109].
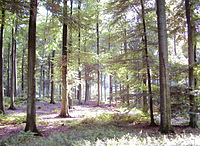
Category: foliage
[103,130]
[12,119]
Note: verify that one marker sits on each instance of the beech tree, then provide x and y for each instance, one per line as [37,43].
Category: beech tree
[191,61]
[64,102]
[52,78]
[79,48]
[98,51]
[147,64]
[31,110]
[2,110]
[165,107]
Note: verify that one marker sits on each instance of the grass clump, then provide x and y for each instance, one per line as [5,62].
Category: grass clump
[12,119]
[109,119]
[113,136]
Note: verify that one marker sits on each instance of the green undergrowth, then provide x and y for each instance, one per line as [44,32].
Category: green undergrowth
[12,119]
[102,136]
[104,130]
[119,120]
[19,101]
[47,99]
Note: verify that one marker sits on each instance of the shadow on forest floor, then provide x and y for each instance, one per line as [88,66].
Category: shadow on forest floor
[89,125]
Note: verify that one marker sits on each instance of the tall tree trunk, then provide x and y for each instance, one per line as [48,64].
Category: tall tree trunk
[105,87]
[147,65]
[41,79]
[15,61]
[8,71]
[23,61]
[12,90]
[101,80]
[64,102]
[165,103]
[98,71]
[48,77]
[125,51]
[111,90]
[175,44]
[52,78]
[43,89]
[191,61]
[87,86]
[31,110]
[70,97]
[2,108]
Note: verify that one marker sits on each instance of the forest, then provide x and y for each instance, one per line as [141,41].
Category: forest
[99,72]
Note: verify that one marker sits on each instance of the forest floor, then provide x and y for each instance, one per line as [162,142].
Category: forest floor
[47,117]
[49,123]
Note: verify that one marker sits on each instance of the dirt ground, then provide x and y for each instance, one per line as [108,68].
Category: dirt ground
[48,114]
[50,122]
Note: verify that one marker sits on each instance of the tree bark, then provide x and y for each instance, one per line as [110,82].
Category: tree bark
[15,61]
[70,97]
[31,110]
[43,81]
[48,77]
[191,61]
[23,61]
[165,103]
[8,71]
[98,71]
[105,98]
[87,87]
[64,101]
[12,90]
[111,90]
[126,51]
[2,108]
[52,78]
[147,65]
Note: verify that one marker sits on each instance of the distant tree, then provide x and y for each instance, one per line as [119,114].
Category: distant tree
[31,110]
[165,103]
[13,70]
[79,47]
[98,51]
[2,110]
[191,61]
[146,56]
[52,76]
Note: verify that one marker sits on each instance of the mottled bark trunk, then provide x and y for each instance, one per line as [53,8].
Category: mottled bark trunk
[165,103]
[48,77]
[70,97]
[79,60]
[31,110]
[52,78]
[147,65]
[43,81]
[87,91]
[15,61]
[8,70]
[111,90]
[105,98]
[22,70]
[2,108]
[12,90]
[191,61]
[126,51]
[64,101]
[98,72]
